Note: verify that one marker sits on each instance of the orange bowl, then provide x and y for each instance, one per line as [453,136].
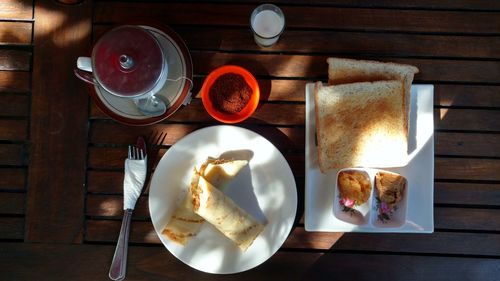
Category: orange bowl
[249,108]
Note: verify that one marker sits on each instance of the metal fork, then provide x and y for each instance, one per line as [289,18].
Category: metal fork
[133,184]
[156,139]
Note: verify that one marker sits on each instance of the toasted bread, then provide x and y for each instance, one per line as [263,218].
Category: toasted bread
[360,124]
[342,70]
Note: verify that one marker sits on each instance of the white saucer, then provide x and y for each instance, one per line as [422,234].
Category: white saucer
[173,93]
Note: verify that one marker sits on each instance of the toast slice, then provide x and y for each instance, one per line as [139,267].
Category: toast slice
[342,70]
[360,124]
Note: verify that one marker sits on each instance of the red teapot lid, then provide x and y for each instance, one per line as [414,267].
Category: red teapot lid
[128,61]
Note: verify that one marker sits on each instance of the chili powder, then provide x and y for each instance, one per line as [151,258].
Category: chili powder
[230,93]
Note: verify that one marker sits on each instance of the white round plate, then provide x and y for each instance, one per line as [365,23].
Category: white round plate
[265,189]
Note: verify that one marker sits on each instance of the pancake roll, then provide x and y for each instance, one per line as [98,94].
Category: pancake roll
[184,223]
[222,212]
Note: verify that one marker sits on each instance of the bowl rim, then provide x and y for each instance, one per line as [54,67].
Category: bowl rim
[247,111]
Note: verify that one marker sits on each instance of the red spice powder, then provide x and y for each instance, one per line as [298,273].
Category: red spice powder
[230,93]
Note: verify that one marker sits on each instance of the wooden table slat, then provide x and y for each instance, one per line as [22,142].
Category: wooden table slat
[444,167]
[294,115]
[467,218]
[12,155]
[482,244]
[414,267]
[15,60]
[467,144]
[143,263]
[407,4]
[307,17]
[444,193]
[338,42]
[436,243]
[13,130]
[346,43]
[446,143]
[111,206]
[11,228]
[19,105]
[315,67]
[466,193]
[16,9]
[58,125]
[108,231]
[12,203]
[467,95]
[13,179]
[15,81]
[467,169]
[294,91]
[105,181]
[17,33]
[266,113]
[467,119]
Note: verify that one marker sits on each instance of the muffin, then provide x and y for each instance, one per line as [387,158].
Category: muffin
[354,186]
[390,187]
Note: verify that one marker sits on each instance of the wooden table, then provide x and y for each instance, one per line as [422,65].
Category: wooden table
[61,159]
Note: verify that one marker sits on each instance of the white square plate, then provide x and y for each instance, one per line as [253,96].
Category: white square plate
[320,188]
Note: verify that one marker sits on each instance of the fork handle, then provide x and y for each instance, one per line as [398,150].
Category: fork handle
[119,263]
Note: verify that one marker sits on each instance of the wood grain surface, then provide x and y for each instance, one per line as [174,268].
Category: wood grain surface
[58,127]
[61,157]
[16,28]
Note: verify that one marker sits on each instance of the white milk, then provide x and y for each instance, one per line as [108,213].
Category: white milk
[267,25]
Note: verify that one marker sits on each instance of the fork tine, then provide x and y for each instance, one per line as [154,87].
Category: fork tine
[157,138]
[136,153]
[139,153]
[161,138]
[129,151]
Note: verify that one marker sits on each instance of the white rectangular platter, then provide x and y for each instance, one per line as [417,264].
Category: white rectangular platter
[320,188]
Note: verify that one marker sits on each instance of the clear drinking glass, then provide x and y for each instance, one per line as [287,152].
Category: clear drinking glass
[267,22]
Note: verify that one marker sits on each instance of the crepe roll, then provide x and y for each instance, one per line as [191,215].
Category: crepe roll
[184,223]
[220,172]
[223,213]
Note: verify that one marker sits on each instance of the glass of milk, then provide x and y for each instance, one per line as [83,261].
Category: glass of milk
[267,22]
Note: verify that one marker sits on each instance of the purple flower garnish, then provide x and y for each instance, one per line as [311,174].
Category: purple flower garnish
[384,208]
